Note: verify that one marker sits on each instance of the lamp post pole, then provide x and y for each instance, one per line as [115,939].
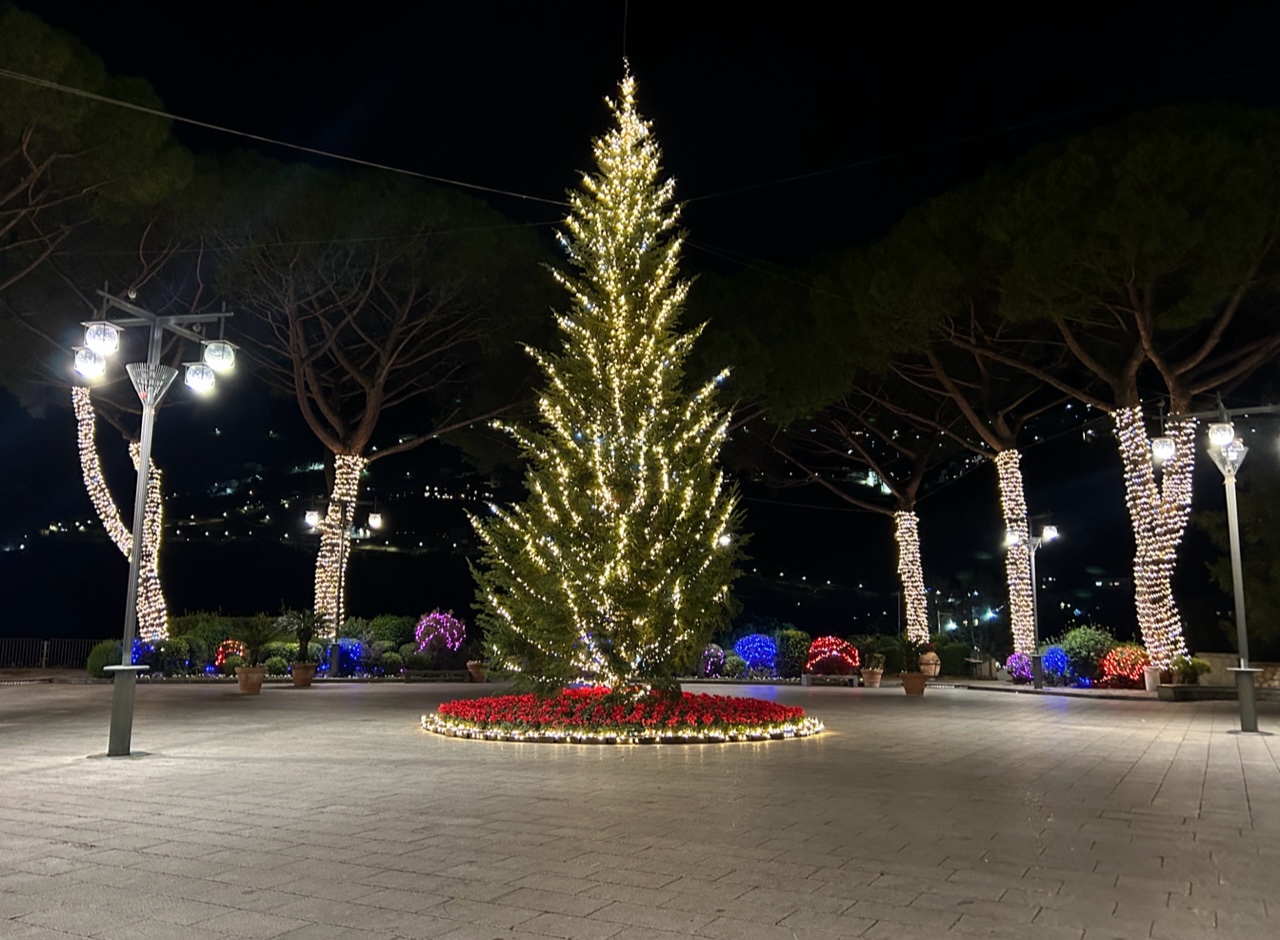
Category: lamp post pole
[1228,457]
[151,383]
[150,380]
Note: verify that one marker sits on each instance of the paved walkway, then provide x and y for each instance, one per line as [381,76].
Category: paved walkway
[327,813]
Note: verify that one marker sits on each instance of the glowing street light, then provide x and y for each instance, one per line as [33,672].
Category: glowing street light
[150,380]
[1048,533]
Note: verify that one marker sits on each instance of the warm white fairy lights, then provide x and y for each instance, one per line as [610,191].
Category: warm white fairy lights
[906,531]
[335,544]
[621,556]
[773,731]
[1159,516]
[152,611]
[1017,558]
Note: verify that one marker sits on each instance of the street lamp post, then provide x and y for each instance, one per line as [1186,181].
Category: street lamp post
[1047,534]
[150,380]
[1228,453]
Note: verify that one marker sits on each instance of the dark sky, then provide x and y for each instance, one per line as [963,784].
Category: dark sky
[792,131]
[866,109]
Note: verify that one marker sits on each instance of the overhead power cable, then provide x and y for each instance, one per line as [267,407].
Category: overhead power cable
[314,151]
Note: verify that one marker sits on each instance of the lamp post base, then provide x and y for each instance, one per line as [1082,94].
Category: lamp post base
[126,678]
[1248,704]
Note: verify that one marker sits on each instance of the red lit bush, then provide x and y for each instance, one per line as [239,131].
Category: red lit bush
[831,656]
[1122,666]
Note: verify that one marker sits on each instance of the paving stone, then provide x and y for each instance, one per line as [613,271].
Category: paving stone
[1101,816]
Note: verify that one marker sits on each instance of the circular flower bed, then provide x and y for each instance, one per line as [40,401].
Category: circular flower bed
[594,716]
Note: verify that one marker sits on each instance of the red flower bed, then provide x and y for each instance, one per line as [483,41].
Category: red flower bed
[595,715]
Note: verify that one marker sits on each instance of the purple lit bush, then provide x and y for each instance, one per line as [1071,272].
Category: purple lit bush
[439,632]
[1019,666]
[712,665]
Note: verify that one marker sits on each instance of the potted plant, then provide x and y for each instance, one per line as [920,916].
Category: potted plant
[913,680]
[253,633]
[1187,670]
[873,670]
[302,624]
[478,669]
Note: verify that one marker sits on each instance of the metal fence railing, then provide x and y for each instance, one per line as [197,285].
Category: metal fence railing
[34,653]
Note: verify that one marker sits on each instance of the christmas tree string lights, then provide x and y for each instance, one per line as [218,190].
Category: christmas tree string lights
[1017,559]
[151,609]
[906,531]
[616,568]
[1159,516]
[335,544]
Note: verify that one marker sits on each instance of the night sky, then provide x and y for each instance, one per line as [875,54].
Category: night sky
[792,132]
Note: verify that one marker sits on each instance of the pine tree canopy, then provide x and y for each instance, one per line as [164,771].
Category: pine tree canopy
[616,567]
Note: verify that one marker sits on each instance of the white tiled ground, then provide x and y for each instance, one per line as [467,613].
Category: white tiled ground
[327,813]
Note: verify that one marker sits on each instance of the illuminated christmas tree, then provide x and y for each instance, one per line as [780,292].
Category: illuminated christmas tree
[616,568]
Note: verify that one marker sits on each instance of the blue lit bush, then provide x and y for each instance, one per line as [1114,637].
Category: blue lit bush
[758,651]
[1055,660]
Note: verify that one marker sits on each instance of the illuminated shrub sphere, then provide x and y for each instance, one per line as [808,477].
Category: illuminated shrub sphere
[757,650]
[831,656]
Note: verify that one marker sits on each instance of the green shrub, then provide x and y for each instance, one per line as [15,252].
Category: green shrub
[391,663]
[229,665]
[198,650]
[175,657]
[894,656]
[793,650]
[356,628]
[1085,646]
[417,662]
[389,628]
[408,649]
[953,656]
[1189,668]
[106,653]
[277,666]
[735,667]
[279,650]
[204,630]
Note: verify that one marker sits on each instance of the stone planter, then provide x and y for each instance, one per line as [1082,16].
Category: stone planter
[930,665]
[913,682]
[479,671]
[302,674]
[871,678]
[249,678]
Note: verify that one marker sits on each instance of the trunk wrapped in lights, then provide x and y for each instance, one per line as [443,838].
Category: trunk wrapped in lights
[1017,558]
[335,544]
[906,530]
[152,611]
[1159,515]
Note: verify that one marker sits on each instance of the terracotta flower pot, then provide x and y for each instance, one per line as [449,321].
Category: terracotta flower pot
[250,678]
[302,674]
[913,682]
[479,672]
[871,678]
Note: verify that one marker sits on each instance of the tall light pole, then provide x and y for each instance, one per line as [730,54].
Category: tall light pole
[1047,534]
[1228,453]
[150,380]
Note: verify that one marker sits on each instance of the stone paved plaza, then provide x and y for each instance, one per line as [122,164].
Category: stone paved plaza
[328,813]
